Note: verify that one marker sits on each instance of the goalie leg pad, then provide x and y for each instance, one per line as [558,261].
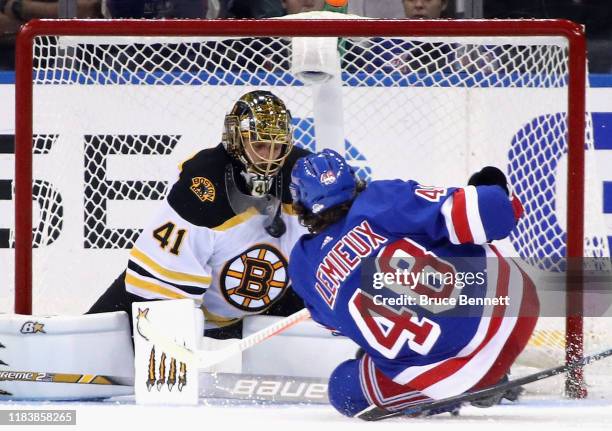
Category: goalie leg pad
[296,351]
[65,357]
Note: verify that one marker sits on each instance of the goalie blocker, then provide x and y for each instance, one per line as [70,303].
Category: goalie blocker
[169,349]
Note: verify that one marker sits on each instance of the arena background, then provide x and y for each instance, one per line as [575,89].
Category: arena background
[136,212]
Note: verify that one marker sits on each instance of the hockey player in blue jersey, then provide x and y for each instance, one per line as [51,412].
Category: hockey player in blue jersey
[435,346]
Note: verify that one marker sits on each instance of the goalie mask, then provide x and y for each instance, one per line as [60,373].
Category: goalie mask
[257,133]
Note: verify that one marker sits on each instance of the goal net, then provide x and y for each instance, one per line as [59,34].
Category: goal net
[112,108]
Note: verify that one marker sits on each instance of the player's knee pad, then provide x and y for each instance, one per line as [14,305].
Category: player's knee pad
[345,392]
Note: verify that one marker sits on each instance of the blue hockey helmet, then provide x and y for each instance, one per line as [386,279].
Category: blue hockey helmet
[321,181]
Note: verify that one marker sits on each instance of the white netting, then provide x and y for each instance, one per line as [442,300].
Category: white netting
[114,116]
[434,97]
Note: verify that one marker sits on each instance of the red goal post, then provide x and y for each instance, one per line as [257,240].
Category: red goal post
[576,118]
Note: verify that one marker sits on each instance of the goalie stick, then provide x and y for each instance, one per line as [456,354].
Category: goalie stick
[266,388]
[46,377]
[246,387]
[375,413]
[208,358]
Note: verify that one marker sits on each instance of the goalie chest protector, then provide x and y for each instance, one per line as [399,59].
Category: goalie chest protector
[198,247]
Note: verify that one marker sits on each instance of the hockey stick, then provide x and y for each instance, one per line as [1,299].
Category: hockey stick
[207,358]
[375,413]
[46,377]
[247,387]
[267,388]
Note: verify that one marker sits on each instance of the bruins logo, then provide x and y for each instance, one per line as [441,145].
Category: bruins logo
[203,188]
[256,278]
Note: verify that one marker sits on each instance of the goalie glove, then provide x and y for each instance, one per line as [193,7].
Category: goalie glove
[492,176]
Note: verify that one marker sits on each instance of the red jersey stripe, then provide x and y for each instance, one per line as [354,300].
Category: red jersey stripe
[460,218]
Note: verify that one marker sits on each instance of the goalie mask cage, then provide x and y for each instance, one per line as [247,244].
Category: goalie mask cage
[107,109]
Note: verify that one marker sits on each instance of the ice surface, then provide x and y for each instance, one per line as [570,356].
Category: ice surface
[121,414]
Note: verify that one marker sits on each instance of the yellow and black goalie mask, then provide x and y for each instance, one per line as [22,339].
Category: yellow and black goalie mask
[258,133]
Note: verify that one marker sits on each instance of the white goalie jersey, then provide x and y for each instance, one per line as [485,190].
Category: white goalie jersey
[204,246]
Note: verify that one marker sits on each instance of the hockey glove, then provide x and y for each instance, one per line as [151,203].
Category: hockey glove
[489,176]
[492,176]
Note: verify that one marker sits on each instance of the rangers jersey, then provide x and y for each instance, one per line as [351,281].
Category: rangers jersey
[432,342]
[204,246]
